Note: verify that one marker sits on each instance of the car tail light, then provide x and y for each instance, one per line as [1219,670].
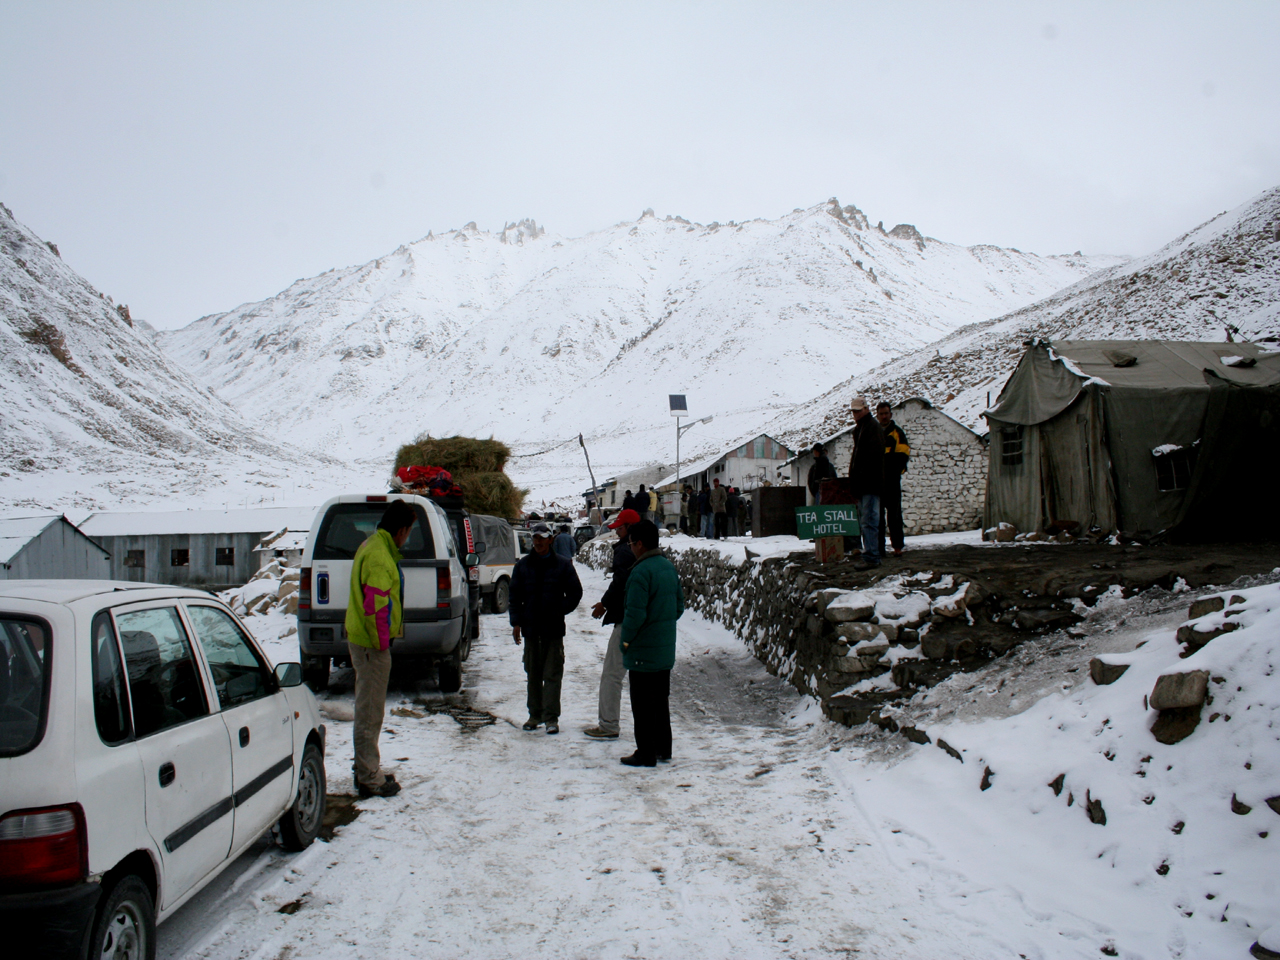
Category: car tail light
[304,589]
[41,848]
[444,587]
[471,540]
[473,574]
[375,499]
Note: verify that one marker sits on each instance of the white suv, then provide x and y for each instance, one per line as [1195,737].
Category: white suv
[437,615]
[145,742]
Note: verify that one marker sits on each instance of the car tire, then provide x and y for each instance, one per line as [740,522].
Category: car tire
[502,596]
[315,673]
[125,927]
[301,823]
[450,671]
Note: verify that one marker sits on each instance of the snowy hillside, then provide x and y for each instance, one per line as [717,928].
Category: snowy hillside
[1226,271]
[95,414]
[535,338]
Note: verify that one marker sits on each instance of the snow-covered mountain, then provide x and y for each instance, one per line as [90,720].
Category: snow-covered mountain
[535,338]
[1224,273]
[94,414]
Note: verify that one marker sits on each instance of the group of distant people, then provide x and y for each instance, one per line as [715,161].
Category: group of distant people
[642,604]
[879,459]
[714,512]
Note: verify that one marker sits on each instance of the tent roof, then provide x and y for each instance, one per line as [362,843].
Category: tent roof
[1050,376]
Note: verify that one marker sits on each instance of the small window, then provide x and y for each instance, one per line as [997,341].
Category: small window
[226,556]
[1011,446]
[1174,469]
[239,673]
[110,702]
[24,683]
[135,558]
[179,558]
[164,683]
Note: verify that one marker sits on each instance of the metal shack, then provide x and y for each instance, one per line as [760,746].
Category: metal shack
[206,549]
[1144,438]
[49,545]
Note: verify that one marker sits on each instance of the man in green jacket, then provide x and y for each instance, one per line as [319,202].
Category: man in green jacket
[374,618]
[654,604]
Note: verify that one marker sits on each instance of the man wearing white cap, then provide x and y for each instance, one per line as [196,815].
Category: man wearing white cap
[866,476]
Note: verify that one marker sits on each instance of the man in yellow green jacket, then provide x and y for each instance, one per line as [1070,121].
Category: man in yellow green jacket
[654,604]
[374,618]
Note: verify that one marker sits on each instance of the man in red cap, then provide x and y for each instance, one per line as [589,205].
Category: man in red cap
[611,607]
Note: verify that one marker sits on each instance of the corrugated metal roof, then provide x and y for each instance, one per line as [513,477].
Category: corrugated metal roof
[254,520]
[17,532]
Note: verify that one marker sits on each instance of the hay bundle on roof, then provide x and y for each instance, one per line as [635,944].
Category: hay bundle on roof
[476,466]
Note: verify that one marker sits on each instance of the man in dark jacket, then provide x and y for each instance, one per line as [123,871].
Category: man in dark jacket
[564,545]
[896,454]
[544,589]
[731,506]
[822,469]
[654,604]
[866,476]
[610,608]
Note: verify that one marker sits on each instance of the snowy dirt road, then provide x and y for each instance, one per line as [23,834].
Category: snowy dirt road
[513,844]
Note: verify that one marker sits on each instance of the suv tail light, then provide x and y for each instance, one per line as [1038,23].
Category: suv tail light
[444,587]
[304,589]
[471,540]
[41,848]
[473,574]
[379,499]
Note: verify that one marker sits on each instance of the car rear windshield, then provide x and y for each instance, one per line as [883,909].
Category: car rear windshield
[347,525]
[25,649]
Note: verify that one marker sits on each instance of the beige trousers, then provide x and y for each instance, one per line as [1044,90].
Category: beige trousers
[373,668]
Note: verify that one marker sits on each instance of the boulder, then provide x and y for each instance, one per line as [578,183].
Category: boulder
[1176,690]
[1204,607]
[1194,639]
[1274,804]
[1175,724]
[824,597]
[848,607]
[1005,532]
[870,649]
[1239,808]
[855,632]
[933,646]
[1106,673]
[1094,809]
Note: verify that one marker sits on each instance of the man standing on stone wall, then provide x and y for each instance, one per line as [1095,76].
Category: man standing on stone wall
[896,454]
[822,469]
[719,500]
[866,476]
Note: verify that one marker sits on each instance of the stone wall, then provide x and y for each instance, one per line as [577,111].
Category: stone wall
[945,485]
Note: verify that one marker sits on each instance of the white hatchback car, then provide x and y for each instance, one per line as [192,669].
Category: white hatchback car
[145,742]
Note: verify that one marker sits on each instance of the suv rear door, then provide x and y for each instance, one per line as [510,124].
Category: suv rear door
[343,528]
[183,744]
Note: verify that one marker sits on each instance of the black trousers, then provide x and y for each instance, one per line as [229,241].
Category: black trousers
[544,672]
[891,517]
[651,713]
[722,525]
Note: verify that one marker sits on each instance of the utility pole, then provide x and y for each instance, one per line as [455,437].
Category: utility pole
[590,472]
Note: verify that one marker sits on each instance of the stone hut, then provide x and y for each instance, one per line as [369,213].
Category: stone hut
[945,484]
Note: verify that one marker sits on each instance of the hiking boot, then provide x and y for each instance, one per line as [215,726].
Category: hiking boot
[637,760]
[553,727]
[666,759]
[531,724]
[600,733]
[389,788]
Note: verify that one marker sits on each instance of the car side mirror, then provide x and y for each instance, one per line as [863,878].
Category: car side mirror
[480,547]
[472,559]
[289,674]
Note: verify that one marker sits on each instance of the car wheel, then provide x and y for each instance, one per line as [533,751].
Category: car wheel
[502,596]
[315,673]
[302,821]
[450,671]
[126,925]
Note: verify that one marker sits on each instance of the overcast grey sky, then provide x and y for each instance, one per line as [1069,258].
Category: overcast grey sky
[190,157]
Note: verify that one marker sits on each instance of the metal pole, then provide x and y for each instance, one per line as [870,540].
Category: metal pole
[590,472]
[679,489]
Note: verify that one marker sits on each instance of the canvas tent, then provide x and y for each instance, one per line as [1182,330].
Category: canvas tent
[1145,438]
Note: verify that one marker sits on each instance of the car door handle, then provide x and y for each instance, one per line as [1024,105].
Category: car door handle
[244,736]
[167,774]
